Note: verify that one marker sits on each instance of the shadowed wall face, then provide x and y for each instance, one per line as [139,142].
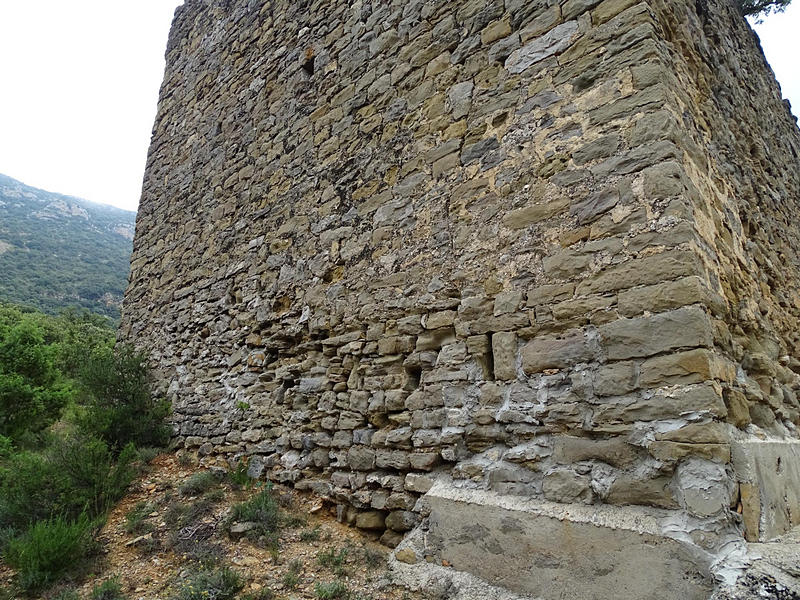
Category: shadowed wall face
[544,249]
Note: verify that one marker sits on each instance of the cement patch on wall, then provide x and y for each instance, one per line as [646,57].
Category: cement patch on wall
[768,472]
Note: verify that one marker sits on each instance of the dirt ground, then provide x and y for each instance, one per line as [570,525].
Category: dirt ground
[161,533]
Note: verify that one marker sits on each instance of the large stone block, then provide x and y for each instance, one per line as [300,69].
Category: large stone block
[645,336]
[558,352]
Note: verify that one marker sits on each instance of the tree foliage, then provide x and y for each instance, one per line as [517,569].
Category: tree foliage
[761,8]
[73,408]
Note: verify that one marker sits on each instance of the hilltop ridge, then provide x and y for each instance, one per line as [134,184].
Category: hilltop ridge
[58,251]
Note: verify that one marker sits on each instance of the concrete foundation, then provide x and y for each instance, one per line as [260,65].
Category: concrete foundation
[555,551]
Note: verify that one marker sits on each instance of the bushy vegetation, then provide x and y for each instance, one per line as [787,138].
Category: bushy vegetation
[73,409]
[52,258]
[48,548]
[263,512]
[221,583]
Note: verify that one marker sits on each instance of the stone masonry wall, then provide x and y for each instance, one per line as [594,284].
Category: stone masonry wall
[544,248]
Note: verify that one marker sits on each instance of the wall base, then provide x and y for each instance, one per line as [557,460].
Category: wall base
[555,551]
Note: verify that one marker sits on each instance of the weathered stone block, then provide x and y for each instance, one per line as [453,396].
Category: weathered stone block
[557,352]
[645,336]
[504,352]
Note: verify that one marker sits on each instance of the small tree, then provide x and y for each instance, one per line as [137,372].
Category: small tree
[120,405]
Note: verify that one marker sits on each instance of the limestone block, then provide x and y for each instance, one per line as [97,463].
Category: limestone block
[557,39]
[504,352]
[557,352]
[645,336]
[372,519]
[564,485]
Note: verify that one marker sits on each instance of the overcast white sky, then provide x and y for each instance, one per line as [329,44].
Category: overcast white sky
[79,84]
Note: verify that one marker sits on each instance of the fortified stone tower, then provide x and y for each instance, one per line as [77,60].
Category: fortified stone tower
[520,276]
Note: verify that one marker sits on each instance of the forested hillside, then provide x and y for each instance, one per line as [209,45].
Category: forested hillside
[58,251]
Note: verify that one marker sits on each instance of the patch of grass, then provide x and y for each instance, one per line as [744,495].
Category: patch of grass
[136,519]
[185,459]
[146,455]
[295,521]
[198,483]
[48,549]
[292,577]
[333,559]
[108,590]
[238,476]
[215,496]
[310,535]
[261,509]
[332,590]
[175,513]
[181,515]
[218,584]
[203,551]
[66,594]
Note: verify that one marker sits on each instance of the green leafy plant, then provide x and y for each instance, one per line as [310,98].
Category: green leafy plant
[238,475]
[108,590]
[222,583]
[333,559]
[75,474]
[32,391]
[48,549]
[331,590]
[292,576]
[120,405]
[198,483]
[310,535]
[261,509]
[136,518]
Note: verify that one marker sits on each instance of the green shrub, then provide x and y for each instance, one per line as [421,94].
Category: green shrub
[136,518]
[148,453]
[238,475]
[333,559]
[120,406]
[108,590]
[75,474]
[261,509]
[198,483]
[49,548]
[218,584]
[29,488]
[93,480]
[67,594]
[32,391]
[331,590]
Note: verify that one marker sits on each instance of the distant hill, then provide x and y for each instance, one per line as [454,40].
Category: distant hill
[58,251]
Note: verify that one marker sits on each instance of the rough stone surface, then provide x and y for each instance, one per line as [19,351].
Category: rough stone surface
[546,249]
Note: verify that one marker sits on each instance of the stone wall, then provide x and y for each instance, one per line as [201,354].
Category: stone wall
[543,249]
